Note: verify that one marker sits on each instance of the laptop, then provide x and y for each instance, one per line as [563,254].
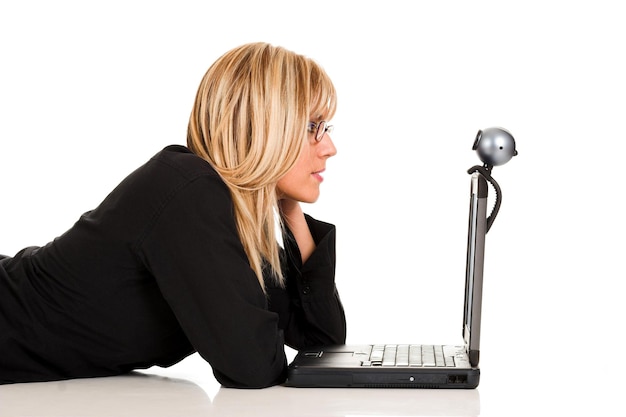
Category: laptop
[410,365]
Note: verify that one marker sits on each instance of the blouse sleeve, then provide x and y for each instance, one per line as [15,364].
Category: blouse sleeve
[309,306]
[193,250]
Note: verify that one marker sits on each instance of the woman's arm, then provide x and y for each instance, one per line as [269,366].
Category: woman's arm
[309,307]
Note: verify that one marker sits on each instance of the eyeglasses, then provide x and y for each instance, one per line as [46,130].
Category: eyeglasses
[320,129]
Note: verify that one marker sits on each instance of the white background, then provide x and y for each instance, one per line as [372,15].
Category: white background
[89,90]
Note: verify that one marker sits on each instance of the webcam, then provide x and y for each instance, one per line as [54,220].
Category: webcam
[495,146]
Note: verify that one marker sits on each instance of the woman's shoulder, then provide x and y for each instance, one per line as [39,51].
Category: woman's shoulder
[162,178]
[180,159]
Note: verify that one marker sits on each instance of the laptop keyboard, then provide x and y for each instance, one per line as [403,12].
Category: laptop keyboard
[414,356]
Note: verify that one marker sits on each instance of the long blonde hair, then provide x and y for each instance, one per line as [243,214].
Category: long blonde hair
[249,121]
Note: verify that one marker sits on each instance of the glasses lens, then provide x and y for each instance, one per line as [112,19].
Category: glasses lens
[321,129]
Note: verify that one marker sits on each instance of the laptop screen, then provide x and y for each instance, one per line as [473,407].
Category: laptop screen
[474,266]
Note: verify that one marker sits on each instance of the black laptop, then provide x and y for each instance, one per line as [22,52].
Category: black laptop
[410,365]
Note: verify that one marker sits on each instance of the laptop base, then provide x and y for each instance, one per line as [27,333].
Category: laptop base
[340,367]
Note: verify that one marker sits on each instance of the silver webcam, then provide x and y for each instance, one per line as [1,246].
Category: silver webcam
[495,146]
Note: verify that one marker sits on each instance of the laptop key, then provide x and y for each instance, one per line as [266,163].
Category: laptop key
[377,353]
[415,355]
[402,357]
[428,355]
[389,356]
[439,359]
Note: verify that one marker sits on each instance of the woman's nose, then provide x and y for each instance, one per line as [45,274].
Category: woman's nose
[327,146]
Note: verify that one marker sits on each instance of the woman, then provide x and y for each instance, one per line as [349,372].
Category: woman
[183,256]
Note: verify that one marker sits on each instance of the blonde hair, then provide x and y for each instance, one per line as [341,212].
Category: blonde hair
[249,121]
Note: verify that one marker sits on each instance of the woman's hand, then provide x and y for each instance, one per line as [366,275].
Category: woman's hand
[293,216]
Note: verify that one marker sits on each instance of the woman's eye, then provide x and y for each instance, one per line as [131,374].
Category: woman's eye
[311,127]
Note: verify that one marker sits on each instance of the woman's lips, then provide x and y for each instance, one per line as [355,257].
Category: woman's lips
[318,175]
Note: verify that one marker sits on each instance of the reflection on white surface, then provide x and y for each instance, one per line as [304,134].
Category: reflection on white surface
[153,395]
[130,395]
[282,401]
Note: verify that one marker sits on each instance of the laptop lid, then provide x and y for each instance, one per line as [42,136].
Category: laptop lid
[477,230]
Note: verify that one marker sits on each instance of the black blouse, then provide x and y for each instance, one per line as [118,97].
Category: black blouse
[154,273]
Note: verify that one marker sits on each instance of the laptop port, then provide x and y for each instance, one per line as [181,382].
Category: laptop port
[457,379]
